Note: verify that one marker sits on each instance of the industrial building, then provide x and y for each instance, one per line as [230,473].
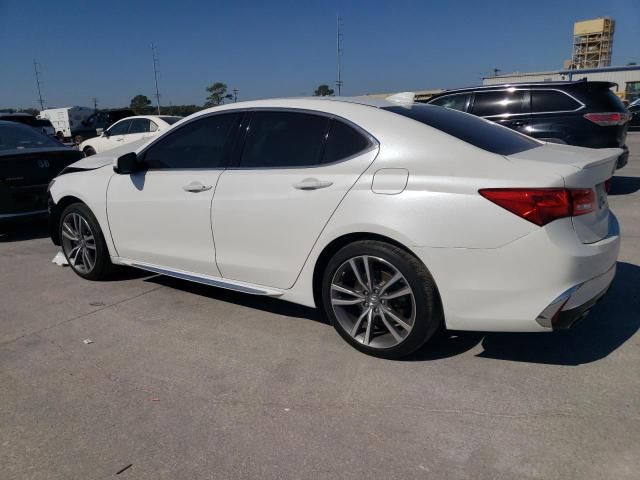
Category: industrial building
[592,44]
[627,79]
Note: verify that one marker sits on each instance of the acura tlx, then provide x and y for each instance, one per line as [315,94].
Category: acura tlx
[394,218]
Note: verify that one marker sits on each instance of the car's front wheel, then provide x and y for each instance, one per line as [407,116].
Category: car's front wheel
[381,299]
[83,243]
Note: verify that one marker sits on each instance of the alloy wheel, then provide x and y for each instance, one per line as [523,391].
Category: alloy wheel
[79,243]
[373,301]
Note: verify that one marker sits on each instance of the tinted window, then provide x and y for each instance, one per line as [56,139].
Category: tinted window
[120,128]
[14,136]
[284,139]
[497,103]
[139,125]
[198,144]
[476,131]
[343,141]
[551,101]
[171,120]
[456,102]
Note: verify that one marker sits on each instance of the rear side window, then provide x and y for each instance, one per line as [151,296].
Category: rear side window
[343,141]
[198,144]
[284,139]
[139,125]
[476,131]
[456,102]
[552,101]
[494,103]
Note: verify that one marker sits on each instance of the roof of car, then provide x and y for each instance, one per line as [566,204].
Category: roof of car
[554,84]
[17,114]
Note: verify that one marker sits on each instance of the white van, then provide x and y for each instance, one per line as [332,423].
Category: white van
[66,120]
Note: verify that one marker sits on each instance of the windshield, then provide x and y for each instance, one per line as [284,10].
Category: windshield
[171,120]
[468,128]
[14,136]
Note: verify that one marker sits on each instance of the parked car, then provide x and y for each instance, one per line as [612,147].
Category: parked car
[41,124]
[97,122]
[66,121]
[45,127]
[634,123]
[128,130]
[29,160]
[394,218]
[586,114]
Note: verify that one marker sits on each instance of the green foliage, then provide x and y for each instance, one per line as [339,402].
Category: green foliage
[139,104]
[217,94]
[323,91]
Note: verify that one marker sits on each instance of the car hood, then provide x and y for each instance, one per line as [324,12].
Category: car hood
[107,158]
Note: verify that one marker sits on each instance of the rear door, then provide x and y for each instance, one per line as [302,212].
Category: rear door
[270,208]
[508,107]
[553,114]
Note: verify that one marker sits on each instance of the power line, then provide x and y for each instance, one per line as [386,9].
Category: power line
[155,74]
[339,51]
[37,72]
[95,103]
[235,95]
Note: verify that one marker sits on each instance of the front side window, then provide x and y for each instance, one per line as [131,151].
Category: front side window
[140,125]
[120,128]
[552,101]
[198,144]
[284,139]
[494,103]
[456,102]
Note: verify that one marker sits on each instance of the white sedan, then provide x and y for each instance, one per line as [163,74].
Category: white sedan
[394,218]
[128,130]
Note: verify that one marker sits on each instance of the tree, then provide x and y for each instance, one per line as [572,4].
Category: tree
[323,91]
[217,94]
[631,64]
[139,104]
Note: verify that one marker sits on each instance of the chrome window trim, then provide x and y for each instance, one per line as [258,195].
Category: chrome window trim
[466,105]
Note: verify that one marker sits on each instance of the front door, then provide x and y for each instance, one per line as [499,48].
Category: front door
[291,175]
[161,215]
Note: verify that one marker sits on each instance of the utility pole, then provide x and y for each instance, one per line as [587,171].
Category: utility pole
[235,95]
[339,51]
[155,74]
[37,72]
[95,103]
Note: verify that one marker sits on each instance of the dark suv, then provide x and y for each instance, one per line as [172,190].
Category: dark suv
[99,121]
[587,114]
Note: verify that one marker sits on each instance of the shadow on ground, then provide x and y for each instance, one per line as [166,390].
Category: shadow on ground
[611,323]
[624,185]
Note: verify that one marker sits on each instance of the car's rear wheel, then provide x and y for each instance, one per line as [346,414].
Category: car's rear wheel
[88,151]
[83,243]
[60,136]
[381,299]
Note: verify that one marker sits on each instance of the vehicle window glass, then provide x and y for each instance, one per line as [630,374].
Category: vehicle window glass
[14,136]
[120,128]
[552,101]
[171,120]
[152,126]
[476,131]
[284,139]
[139,125]
[456,102]
[198,144]
[343,141]
[498,103]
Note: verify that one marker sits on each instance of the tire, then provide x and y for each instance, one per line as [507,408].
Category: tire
[88,151]
[89,257]
[397,317]
[60,136]
[78,139]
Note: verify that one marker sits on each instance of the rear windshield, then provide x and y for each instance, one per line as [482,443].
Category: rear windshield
[599,97]
[171,120]
[24,119]
[468,128]
[14,136]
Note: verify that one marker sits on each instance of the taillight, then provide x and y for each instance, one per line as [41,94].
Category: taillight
[607,185]
[608,119]
[542,205]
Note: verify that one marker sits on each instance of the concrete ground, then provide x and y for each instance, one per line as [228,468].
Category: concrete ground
[183,382]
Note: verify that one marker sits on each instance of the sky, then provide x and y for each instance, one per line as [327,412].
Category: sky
[274,48]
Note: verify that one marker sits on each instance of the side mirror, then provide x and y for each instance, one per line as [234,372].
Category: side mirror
[105,133]
[126,164]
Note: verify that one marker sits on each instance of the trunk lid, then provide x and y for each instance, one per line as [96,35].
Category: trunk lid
[581,168]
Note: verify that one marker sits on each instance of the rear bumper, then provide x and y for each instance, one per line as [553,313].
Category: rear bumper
[508,288]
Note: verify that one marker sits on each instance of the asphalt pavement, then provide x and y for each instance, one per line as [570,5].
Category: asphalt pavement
[159,378]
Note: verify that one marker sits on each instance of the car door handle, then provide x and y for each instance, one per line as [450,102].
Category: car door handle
[196,187]
[312,184]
